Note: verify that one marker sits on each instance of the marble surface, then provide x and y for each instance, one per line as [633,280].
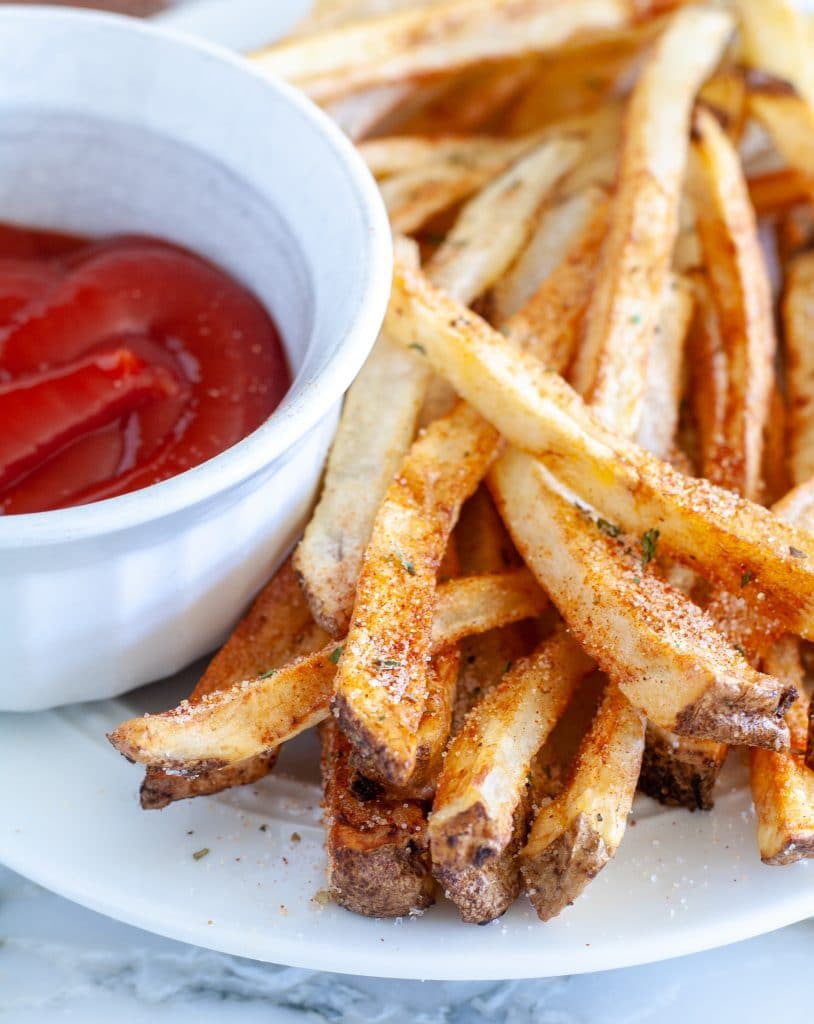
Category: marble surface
[59,962]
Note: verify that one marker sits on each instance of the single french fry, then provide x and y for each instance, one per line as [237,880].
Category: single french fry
[416,194]
[378,853]
[776,39]
[258,714]
[782,785]
[483,781]
[581,80]
[776,192]
[717,532]
[277,627]
[381,683]
[658,647]
[504,212]
[789,120]
[549,246]
[376,428]
[416,43]
[661,401]
[578,832]
[742,297]
[798,319]
[623,315]
[549,323]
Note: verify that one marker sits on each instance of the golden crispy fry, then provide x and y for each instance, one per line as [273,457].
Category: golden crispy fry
[789,120]
[417,194]
[623,314]
[277,628]
[258,714]
[505,213]
[376,429]
[549,324]
[474,97]
[725,95]
[776,192]
[559,230]
[776,38]
[433,730]
[661,402]
[654,643]
[378,854]
[576,81]
[484,777]
[577,833]
[381,684]
[742,297]
[718,533]
[798,319]
[395,154]
[455,34]
[782,785]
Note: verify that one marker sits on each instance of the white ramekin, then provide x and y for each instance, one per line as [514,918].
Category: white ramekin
[109,125]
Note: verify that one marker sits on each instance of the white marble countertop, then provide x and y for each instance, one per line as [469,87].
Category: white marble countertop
[61,962]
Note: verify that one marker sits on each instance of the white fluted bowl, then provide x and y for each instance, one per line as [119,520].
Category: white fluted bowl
[108,125]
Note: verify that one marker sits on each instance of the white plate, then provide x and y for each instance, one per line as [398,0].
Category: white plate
[70,820]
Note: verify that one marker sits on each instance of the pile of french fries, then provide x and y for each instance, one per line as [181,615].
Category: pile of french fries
[563,545]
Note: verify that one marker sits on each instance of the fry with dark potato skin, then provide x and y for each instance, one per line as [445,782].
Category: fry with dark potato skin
[277,628]
[576,834]
[378,852]
[658,647]
[482,786]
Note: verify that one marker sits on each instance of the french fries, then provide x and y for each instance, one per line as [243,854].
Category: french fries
[506,209]
[658,647]
[549,285]
[798,318]
[575,835]
[483,781]
[381,684]
[623,314]
[416,43]
[376,429]
[540,572]
[256,715]
[743,301]
[714,530]
[378,854]
[277,628]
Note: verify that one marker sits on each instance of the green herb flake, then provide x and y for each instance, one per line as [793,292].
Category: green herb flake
[404,562]
[200,854]
[797,553]
[611,529]
[746,579]
[649,541]
[637,579]
[507,667]
[266,675]
[740,650]
[335,655]
[264,828]
[387,663]
[636,318]
[418,348]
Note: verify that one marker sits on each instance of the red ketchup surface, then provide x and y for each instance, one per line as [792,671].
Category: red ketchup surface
[122,362]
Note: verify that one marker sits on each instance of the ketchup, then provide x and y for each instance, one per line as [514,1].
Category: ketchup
[123,362]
